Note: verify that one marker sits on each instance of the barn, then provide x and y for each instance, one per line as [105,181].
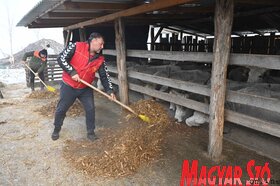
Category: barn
[227,39]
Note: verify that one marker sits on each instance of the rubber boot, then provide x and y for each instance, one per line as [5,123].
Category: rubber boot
[32,86]
[55,134]
[91,136]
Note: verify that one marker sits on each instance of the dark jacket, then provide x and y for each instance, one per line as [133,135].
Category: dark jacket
[36,63]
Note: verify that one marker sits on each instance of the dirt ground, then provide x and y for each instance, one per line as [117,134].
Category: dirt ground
[30,157]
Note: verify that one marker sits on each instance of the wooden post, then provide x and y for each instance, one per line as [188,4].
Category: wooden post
[121,60]
[152,38]
[67,38]
[181,41]
[82,34]
[222,46]
[65,35]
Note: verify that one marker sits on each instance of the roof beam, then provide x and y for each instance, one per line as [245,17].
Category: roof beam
[270,21]
[190,10]
[90,5]
[184,31]
[258,32]
[46,25]
[157,34]
[58,21]
[197,28]
[162,17]
[236,33]
[259,2]
[257,11]
[238,14]
[63,15]
[155,5]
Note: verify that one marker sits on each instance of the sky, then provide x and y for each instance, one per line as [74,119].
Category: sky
[21,36]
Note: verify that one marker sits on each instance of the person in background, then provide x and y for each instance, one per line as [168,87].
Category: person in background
[81,60]
[37,63]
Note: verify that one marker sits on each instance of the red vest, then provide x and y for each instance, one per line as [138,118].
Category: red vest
[80,62]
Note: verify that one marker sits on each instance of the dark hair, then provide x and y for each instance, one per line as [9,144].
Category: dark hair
[44,52]
[94,35]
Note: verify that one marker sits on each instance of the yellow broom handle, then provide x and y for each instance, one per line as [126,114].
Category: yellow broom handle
[34,74]
[109,97]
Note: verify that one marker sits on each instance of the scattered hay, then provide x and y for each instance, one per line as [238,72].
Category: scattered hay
[122,152]
[75,110]
[43,94]
[6,103]
[151,109]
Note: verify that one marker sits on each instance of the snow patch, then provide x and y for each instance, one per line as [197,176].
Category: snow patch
[12,76]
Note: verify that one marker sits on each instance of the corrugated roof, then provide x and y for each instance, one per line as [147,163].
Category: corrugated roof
[38,10]
[194,16]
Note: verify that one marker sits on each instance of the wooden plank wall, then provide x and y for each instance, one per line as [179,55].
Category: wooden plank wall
[271,104]
[248,45]
[234,117]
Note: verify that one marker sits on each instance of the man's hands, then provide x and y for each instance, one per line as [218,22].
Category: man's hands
[113,97]
[76,77]
[36,74]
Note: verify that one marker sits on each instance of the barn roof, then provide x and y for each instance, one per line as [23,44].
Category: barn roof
[190,16]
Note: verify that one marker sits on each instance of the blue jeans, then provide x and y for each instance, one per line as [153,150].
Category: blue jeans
[68,96]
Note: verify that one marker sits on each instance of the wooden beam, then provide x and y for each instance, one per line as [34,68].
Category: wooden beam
[190,10]
[36,25]
[255,60]
[258,11]
[68,5]
[237,14]
[65,33]
[183,29]
[72,14]
[152,35]
[121,60]
[258,32]
[82,34]
[58,21]
[222,46]
[259,2]
[148,7]
[236,33]
[196,28]
[272,23]
[158,34]
[270,128]
[69,32]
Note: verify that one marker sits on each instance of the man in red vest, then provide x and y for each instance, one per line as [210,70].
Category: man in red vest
[81,60]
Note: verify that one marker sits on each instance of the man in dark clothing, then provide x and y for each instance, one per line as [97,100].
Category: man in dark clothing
[37,63]
[81,60]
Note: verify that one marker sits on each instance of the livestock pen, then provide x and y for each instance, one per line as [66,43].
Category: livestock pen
[224,27]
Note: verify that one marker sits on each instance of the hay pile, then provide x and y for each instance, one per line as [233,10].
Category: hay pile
[43,94]
[75,110]
[121,153]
